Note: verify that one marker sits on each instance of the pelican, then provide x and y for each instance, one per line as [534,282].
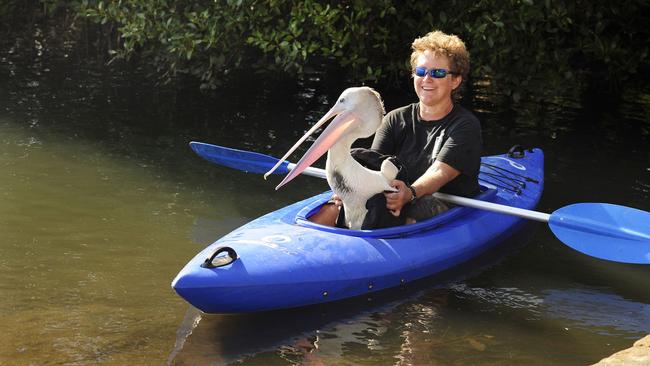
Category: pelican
[358,114]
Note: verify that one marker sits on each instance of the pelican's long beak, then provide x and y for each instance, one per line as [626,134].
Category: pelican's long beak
[340,125]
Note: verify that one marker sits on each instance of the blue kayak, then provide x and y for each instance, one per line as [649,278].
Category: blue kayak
[282,260]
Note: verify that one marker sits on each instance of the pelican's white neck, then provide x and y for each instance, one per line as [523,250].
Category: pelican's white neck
[339,154]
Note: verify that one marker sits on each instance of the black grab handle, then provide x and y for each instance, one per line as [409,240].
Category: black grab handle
[213,261]
[518,151]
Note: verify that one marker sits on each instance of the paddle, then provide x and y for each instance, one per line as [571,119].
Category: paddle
[601,230]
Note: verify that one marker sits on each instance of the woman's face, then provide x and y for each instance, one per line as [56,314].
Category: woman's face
[432,91]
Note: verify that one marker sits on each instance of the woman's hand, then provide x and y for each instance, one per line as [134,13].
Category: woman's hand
[396,200]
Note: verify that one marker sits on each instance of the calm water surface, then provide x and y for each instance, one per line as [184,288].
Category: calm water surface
[102,203]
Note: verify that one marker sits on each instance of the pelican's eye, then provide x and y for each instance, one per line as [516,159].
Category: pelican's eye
[342,100]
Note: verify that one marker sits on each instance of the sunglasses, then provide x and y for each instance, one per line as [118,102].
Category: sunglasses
[434,73]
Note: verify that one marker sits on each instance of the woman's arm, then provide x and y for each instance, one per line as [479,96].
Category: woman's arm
[430,182]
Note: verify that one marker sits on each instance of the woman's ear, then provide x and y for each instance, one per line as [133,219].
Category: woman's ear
[456,80]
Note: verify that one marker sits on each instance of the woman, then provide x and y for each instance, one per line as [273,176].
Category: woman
[437,141]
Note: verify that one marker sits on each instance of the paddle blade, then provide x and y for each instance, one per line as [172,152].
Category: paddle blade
[605,231]
[247,161]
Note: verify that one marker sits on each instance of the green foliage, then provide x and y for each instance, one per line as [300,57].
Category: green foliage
[354,36]
[523,44]
[515,44]
[523,48]
[209,38]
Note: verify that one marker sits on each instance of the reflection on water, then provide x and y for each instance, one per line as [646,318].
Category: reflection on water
[330,333]
[102,203]
[512,298]
[322,334]
[595,310]
[460,325]
[190,321]
[600,312]
[206,230]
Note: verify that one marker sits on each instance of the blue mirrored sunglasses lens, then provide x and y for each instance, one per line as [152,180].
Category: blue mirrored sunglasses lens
[439,73]
[434,73]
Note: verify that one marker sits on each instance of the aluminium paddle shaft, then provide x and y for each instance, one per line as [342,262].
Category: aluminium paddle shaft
[605,231]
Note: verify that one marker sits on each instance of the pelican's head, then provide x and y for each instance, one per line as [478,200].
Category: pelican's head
[365,104]
[358,113]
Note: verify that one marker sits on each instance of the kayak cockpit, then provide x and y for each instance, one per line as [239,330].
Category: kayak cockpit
[301,218]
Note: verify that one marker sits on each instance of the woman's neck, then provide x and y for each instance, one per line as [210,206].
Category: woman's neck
[435,112]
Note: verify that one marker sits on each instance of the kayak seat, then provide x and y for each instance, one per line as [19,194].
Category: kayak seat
[301,218]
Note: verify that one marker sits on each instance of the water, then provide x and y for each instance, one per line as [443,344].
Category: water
[102,203]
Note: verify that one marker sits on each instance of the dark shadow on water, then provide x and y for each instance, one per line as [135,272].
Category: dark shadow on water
[221,339]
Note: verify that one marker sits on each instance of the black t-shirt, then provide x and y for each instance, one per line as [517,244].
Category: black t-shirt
[404,134]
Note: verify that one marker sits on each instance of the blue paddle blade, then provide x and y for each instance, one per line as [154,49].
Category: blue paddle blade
[605,231]
[247,161]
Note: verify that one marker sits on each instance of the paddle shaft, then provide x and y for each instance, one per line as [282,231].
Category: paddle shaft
[457,200]
[494,207]
[605,231]
[310,171]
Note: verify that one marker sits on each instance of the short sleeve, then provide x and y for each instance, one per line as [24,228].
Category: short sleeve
[462,147]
